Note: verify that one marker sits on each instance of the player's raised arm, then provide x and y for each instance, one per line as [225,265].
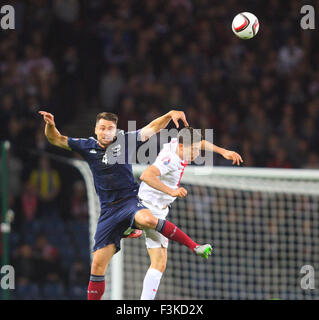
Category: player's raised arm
[52,133]
[160,123]
[227,154]
[151,177]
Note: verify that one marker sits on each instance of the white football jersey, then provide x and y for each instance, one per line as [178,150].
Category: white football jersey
[171,167]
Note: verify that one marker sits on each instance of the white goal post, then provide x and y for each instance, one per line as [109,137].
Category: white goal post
[263,224]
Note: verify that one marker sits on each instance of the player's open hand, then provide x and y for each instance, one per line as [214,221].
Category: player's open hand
[177,115]
[232,155]
[180,193]
[48,117]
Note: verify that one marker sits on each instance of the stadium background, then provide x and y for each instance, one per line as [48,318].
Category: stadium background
[140,59]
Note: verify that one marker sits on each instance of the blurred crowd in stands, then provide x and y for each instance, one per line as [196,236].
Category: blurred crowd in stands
[140,59]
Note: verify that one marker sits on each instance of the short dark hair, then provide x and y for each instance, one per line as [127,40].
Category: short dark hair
[107,116]
[188,136]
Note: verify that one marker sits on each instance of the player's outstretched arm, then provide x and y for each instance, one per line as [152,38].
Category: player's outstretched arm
[52,133]
[160,123]
[150,176]
[227,154]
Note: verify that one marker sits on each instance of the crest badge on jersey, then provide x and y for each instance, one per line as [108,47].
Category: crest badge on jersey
[166,160]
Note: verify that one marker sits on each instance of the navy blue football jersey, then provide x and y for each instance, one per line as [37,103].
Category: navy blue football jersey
[111,167]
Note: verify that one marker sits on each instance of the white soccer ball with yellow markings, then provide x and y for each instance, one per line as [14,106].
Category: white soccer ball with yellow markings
[245,25]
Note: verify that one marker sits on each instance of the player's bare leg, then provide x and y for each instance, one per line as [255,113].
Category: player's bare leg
[154,274]
[101,260]
[144,219]
[158,258]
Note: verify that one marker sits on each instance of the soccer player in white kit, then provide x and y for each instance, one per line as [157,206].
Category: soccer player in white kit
[161,186]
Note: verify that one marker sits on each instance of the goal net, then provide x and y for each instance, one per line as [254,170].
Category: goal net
[263,225]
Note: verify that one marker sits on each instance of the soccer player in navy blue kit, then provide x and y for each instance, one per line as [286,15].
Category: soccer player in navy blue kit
[110,157]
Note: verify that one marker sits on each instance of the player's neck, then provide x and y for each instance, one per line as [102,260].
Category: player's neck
[179,152]
[104,146]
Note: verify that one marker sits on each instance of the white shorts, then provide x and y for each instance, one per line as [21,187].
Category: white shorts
[154,239]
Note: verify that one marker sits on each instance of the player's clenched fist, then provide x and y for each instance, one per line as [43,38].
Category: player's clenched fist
[180,193]
[48,117]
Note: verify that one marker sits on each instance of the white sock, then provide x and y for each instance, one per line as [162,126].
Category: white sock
[150,285]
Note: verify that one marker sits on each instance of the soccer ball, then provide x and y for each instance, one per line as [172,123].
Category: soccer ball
[245,25]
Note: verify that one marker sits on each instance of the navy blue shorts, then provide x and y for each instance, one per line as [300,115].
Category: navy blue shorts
[114,221]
